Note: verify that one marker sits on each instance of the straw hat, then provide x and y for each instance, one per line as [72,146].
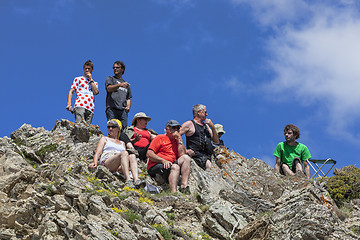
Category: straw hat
[140,115]
[219,128]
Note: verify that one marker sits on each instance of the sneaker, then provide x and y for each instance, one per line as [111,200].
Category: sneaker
[185,190]
[130,184]
[139,184]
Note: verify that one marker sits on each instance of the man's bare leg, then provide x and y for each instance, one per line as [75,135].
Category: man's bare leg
[174,177]
[184,163]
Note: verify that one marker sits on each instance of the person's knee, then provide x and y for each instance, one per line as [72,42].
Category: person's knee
[175,168]
[208,164]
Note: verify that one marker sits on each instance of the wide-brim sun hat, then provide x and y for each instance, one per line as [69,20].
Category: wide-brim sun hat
[219,128]
[140,115]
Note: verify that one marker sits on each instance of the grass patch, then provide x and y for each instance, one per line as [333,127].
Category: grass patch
[205,236]
[129,215]
[171,215]
[204,208]
[19,141]
[163,231]
[52,147]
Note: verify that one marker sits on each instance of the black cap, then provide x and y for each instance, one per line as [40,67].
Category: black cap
[172,123]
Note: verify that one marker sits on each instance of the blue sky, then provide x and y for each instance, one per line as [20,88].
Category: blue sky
[257,65]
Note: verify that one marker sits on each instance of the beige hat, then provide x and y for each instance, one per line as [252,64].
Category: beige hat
[140,115]
[219,128]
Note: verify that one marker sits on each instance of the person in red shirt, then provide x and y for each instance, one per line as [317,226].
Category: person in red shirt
[167,157]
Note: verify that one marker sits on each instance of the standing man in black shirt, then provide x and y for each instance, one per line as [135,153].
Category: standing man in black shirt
[118,97]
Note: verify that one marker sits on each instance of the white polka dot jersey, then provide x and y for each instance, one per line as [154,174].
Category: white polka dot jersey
[85,96]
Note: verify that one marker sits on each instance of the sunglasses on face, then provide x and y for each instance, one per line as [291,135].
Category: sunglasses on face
[111,127]
[177,128]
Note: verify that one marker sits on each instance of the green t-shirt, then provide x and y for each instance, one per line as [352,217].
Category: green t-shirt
[287,153]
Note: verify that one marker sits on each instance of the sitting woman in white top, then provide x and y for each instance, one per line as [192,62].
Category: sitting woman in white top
[114,155]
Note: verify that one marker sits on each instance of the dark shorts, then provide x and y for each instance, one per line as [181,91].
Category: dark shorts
[293,168]
[142,152]
[200,159]
[159,169]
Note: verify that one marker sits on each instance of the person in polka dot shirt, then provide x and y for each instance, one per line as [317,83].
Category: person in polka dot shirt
[85,88]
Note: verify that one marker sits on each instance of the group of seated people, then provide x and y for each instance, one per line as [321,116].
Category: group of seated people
[165,154]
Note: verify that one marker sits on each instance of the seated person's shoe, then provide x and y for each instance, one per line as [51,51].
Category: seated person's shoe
[185,190]
[139,184]
[130,184]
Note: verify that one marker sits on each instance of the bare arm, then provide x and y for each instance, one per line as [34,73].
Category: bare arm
[113,88]
[307,169]
[155,158]
[187,128]
[128,105]
[213,133]
[69,107]
[98,151]
[277,165]
[92,83]
[181,147]
[94,88]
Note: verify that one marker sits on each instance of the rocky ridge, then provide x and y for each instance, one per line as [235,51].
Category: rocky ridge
[48,192]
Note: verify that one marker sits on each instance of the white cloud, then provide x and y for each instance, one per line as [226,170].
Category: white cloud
[234,84]
[315,58]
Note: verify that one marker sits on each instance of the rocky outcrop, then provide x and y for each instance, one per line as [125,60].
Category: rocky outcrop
[47,191]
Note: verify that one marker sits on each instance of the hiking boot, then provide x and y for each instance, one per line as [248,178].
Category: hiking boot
[139,184]
[130,184]
[185,190]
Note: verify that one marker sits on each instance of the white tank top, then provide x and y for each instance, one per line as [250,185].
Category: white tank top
[111,149]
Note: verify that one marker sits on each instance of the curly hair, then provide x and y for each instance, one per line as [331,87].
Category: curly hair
[294,129]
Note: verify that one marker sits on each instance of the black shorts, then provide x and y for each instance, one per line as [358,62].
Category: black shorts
[200,159]
[159,169]
[293,168]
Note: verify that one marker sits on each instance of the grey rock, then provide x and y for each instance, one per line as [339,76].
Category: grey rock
[47,191]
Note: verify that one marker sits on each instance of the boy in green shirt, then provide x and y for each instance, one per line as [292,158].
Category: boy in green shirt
[290,154]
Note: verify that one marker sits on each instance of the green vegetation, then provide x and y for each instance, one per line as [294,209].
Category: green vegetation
[130,215]
[19,141]
[204,208]
[47,149]
[355,230]
[49,190]
[344,186]
[163,231]
[205,236]
[171,215]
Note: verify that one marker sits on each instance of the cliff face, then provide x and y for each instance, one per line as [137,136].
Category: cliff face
[48,192]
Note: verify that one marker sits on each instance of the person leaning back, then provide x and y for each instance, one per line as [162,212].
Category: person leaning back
[118,97]
[290,154]
[85,88]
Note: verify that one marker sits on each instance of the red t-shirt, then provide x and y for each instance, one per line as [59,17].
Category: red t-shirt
[165,148]
[144,140]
